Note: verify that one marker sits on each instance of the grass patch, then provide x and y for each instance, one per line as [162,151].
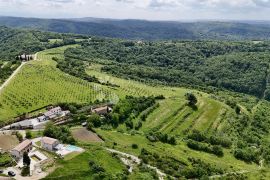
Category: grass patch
[78,167]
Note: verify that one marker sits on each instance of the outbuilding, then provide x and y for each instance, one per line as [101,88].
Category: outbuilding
[19,150]
[48,143]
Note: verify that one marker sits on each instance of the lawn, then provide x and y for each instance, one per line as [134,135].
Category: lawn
[78,167]
[5,159]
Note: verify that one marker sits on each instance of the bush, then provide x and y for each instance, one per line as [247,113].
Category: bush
[25,171]
[134,146]
[19,136]
[217,150]
[192,100]
[28,134]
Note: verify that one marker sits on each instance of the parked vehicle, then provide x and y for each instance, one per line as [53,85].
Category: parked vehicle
[11,173]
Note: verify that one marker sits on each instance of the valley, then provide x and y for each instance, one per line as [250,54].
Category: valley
[223,135]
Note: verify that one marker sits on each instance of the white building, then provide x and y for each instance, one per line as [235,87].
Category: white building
[19,150]
[53,113]
[49,143]
[36,123]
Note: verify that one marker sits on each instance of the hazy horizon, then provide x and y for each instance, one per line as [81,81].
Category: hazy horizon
[181,20]
[163,10]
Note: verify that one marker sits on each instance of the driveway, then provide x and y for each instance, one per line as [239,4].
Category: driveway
[18,176]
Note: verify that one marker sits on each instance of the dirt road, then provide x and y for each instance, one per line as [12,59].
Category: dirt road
[14,74]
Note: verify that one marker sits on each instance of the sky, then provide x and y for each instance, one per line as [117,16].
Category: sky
[140,9]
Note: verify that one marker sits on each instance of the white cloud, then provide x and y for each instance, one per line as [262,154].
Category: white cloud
[143,9]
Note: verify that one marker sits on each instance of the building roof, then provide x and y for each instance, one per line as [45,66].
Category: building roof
[100,109]
[52,112]
[48,140]
[22,145]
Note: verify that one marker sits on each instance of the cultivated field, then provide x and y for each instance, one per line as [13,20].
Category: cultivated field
[7,142]
[40,83]
[172,116]
[85,136]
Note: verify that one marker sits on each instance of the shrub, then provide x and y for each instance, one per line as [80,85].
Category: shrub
[28,134]
[134,146]
[25,171]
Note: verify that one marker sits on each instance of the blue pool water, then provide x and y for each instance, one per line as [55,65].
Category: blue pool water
[72,148]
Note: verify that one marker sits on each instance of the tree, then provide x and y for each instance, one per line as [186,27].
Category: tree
[19,136]
[95,120]
[26,159]
[237,109]
[28,134]
[192,100]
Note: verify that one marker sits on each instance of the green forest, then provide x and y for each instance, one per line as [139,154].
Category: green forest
[237,66]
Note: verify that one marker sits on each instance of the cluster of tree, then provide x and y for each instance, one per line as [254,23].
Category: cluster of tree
[128,109]
[213,139]
[215,149]
[59,132]
[124,112]
[6,69]
[158,136]
[251,132]
[247,154]
[195,169]
[75,68]
[97,170]
[236,66]
[14,42]
[26,165]
[201,170]
[168,165]
[192,99]
[100,173]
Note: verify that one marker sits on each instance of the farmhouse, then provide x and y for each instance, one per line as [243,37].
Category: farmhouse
[25,146]
[25,57]
[53,113]
[101,110]
[49,143]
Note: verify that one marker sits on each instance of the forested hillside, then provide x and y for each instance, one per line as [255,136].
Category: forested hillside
[14,42]
[236,66]
[148,30]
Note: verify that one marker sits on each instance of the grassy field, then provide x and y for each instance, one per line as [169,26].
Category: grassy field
[40,83]
[180,151]
[78,167]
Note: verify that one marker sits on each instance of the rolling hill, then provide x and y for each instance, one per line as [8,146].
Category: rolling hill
[147,30]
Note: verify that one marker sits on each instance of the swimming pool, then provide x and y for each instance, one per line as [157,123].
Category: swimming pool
[72,148]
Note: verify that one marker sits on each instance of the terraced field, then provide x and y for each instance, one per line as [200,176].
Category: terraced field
[172,116]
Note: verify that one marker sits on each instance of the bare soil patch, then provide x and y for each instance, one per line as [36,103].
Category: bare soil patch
[8,142]
[83,135]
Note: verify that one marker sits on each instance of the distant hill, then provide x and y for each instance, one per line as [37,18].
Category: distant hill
[148,30]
